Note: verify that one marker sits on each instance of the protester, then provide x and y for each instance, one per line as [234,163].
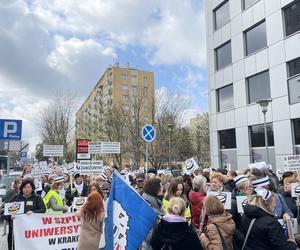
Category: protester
[280,187]
[243,185]
[176,189]
[76,189]
[53,200]
[140,179]
[220,228]
[91,216]
[217,181]
[173,231]
[32,204]
[229,183]
[94,187]
[102,181]
[196,198]
[266,232]
[14,190]
[287,194]
[26,169]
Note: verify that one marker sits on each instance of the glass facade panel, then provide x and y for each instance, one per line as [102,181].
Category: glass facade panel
[259,87]
[258,135]
[225,98]
[222,15]
[292,18]
[227,139]
[294,67]
[256,38]
[223,56]
[248,3]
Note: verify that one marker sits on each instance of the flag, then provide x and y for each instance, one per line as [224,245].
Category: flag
[129,218]
[191,166]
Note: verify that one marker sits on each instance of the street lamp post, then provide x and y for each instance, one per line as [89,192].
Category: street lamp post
[264,103]
[170,129]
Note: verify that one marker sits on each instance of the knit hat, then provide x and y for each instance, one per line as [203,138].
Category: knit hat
[103,176]
[239,179]
[76,173]
[58,179]
[261,182]
[264,193]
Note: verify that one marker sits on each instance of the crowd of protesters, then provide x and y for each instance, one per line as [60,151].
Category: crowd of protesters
[187,218]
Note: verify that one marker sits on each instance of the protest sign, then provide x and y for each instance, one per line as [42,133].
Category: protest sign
[88,167]
[224,197]
[191,166]
[44,231]
[129,218]
[259,165]
[78,202]
[294,224]
[295,189]
[13,208]
[292,162]
[53,150]
[241,201]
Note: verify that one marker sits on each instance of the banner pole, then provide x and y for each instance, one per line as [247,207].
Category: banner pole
[146,163]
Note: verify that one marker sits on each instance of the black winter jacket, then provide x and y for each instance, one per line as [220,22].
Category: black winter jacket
[291,203]
[266,233]
[70,196]
[32,203]
[177,235]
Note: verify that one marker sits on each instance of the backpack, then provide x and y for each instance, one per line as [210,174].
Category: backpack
[237,240]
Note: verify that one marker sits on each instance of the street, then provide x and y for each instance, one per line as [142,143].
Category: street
[3,242]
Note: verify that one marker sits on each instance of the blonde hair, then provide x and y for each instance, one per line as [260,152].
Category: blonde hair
[176,206]
[258,201]
[243,185]
[213,205]
[219,176]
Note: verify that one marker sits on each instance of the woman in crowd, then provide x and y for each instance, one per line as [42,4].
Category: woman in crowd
[14,190]
[287,194]
[91,216]
[220,226]
[176,189]
[76,189]
[94,187]
[153,194]
[266,232]
[53,200]
[217,182]
[243,185]
[32,204]
[196,198]
[173,231]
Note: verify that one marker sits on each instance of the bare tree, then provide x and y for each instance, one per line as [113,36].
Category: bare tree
[57,120]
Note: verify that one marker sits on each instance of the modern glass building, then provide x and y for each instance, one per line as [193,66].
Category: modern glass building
[253,49]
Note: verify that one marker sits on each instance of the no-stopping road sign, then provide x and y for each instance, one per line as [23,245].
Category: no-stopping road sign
[148,133]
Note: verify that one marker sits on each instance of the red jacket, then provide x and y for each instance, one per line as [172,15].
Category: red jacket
[196,203]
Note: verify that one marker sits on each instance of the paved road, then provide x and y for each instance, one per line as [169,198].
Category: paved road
[3,242]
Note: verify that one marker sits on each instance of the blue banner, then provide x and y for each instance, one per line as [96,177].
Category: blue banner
[129,217]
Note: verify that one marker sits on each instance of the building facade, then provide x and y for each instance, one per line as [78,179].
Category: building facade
[253,51]
[122,90]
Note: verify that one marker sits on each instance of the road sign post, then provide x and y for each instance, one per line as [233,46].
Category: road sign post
[148,134]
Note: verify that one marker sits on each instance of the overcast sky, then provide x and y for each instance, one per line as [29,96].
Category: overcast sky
[66,45]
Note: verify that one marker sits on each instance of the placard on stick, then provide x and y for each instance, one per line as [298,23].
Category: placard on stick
[241,201]
[224,197]
[78,202]
[13,208]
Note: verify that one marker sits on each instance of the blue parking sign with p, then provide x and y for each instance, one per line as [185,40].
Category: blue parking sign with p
[10,129]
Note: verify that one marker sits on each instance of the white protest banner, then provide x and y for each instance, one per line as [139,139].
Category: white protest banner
[38,185]
[295,189]
[241,201]
[53,150]
[190,166]
[88,167]
[43,165]
[95,147]
[110,147]
[259,165]
[14,208]
[292,162]
[37,172]
[78,202]
[45,231]
[224,197]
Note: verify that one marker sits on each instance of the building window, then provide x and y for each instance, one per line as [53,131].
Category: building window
[248,3]
[134,76]
[145,79]
[258,135]
[292,18]
[258,148]
[258,87]
[225,98]
[125,97]
[146,91]
[125,77]
[221,15]
[294,80]
[125,138]
[223,55]
[125,87]
[256,38]
[125,107]
[134,90]
[296,125]
[228,153]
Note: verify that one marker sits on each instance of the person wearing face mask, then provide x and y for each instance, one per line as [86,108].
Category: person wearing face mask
[76,189]
[54,200]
